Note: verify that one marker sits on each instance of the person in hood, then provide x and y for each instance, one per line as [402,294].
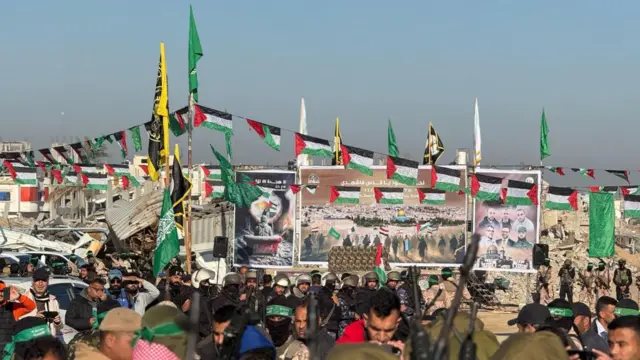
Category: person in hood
[32,340]
[282,282]
[81,312]
[203,281]
[91,338]
[117,332]
[179,293]
[300,291]
[347,303]
[45,302]
[323,341]
[279,318]
[230,294]
[11,310]
[115,290]
[137,298]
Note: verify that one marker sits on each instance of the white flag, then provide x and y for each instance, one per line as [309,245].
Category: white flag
[303,159]
[477,142]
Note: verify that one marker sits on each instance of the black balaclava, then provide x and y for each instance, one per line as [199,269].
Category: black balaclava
[279,330]
[331,285]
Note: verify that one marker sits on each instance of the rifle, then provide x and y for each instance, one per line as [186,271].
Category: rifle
[419,337]
[468,347]
[194,320]
[439,349]
[312,326]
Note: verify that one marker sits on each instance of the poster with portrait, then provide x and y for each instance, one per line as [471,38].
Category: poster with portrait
[508,232]
[264,232]
[412,232]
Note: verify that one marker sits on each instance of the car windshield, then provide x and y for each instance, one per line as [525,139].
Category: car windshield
[79,261]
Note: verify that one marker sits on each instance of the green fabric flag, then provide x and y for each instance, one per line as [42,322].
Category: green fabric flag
[391,140]
[334,233]
[168,245]
[227,140]
[137,140]
[96,144]
[195,53]
[602,222]
[544,140]
[241,194]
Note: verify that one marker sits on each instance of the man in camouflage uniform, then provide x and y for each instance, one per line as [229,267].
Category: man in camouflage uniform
[432,292]
[622,279]
[91,337]
[588,286]
[544,291]
[347,302]
[404,291]
[603,280]
[449,287]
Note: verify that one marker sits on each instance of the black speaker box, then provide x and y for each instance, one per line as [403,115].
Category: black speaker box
[540,252]
[220,246]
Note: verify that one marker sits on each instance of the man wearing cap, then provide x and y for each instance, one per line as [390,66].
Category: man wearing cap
[139,300]
[80,314]
[626,307]
[11,310]
[530,318]
[117,331]
[161,337]
[597,335]
[282,283]
[115,291]
[45,302]
[179,293]
[581,317]
[622,279]
[562,317]
[91,337]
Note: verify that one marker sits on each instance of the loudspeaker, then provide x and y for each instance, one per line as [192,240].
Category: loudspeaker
[540,252]
[220,246]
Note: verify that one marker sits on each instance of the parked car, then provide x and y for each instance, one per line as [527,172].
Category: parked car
[22,259]
[64,288]
[52,257]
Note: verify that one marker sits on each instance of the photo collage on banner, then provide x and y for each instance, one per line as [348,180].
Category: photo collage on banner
[412,233]
[508,228]
[264,232]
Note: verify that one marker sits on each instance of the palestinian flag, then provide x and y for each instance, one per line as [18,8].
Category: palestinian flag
[384,231]
[389,196]
[584,172]
[211,172]
[212,119]
[485,188]
[117,169]
[357,159]
[145,169]
[446,179]
[57,176]
[629,190]
[609,189]
[79,149]
[380,268]
[632,206]
[521,193]
[95,181]
[48,155]
[64,153]
[422,227]
[270,134]
[431,196]
[215,189]
[295,188]
[70,178]
[309,145]
[402,170]
[121,139]
[178,121]
[21,175]
[557,170]
[345,195]
[85,168]
[561,198]
[622,174]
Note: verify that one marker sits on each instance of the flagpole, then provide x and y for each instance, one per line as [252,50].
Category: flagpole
[187,229]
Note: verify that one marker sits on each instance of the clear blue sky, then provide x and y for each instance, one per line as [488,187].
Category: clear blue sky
[364,61]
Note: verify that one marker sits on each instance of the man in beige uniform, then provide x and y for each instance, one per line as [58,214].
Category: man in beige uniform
[603,279]
[588,286]
[544,288]
[432,292]
[449,287]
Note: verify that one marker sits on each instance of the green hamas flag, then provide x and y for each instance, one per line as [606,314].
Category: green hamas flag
[392,145]
[601,225]
[334,233]
[168,245]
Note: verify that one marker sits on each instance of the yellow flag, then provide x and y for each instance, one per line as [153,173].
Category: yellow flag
[158,127]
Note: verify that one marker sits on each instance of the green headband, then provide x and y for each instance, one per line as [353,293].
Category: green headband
[98,318]
[148,334]
[560,312]
[625,312]
[278,310]
[23,336]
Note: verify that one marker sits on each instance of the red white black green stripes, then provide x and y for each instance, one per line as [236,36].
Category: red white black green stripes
[212,119]
[21,175]
[485,188]
[309,145]
[211,172]
[95,181]
[270,134]
[214,189]
[345,195]
[123,171]
[85,168]
[295,188]
[446,179]
[389,196]
[357,159]
[431,196]
[178,121]
[402,170]
[521,193]
[561,198]
[632,206]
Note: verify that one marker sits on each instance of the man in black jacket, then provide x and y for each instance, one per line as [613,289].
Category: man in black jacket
[82,312]
[597,335]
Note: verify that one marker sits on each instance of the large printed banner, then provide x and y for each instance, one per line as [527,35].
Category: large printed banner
[508,232]
[264,232]
[342,223]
